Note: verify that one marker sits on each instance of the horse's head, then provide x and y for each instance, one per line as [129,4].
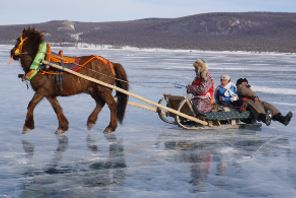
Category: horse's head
[26,46]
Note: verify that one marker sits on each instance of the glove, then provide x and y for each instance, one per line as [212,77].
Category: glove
[256,99]
[189,89]
[221,98]
[243,107]
[234,98]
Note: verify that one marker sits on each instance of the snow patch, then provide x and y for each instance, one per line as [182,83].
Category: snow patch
[76,36]
[67,25]
[277,91]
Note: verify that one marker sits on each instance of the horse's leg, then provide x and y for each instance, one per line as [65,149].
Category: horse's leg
[29,123]
[108,98]
[63,122]
[92,118]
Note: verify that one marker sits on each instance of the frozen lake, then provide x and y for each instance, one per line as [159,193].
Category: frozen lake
[146,157]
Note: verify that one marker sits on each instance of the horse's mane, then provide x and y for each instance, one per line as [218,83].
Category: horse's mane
[33,35]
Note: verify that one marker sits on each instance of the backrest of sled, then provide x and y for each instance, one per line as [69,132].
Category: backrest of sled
[174,102]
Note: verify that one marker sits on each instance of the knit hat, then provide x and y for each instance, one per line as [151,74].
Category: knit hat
[225,77]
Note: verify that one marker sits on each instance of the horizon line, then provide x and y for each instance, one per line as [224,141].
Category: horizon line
[135,19]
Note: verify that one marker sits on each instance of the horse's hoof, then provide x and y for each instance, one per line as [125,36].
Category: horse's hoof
[90,126]
[26,130]
[109,130]
[60,131]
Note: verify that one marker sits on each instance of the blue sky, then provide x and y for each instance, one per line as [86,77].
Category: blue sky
[34,11]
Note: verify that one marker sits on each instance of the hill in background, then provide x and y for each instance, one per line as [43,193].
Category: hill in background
[250,31]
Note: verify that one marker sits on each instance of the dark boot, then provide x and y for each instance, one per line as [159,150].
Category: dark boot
[265,118]
[285,120]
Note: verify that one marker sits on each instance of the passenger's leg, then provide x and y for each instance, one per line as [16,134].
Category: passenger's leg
[267,106]
[276,114]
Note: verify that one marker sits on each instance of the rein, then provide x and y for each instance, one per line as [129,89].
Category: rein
[95,71]
[43,72]
[135,83]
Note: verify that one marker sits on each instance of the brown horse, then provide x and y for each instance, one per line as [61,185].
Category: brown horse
[47,86]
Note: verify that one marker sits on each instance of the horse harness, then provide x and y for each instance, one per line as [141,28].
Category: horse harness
[68,62]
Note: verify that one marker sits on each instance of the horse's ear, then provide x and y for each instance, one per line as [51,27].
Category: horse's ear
[24,30]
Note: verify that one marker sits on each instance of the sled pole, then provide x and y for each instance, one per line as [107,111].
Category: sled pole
[141,106]
[191,118]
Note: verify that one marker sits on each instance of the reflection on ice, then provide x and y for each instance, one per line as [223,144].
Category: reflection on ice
[220,164]
[146,157]
[58,156]
[55,179]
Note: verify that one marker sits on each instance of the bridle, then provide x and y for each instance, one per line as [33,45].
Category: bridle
[19,49]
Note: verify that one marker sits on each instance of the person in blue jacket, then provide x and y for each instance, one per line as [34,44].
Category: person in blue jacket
[226,92]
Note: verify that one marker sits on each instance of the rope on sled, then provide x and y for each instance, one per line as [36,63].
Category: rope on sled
[134,83]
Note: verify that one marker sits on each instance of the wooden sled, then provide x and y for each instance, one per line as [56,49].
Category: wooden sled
[216,120]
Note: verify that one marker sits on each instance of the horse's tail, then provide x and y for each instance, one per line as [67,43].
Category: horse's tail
[122,99]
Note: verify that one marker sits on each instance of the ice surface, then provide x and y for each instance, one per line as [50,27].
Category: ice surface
[146,157]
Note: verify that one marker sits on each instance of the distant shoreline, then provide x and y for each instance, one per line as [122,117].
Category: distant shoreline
[131,48]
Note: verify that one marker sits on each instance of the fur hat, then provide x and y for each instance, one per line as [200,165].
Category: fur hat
[202,68]
[241,80]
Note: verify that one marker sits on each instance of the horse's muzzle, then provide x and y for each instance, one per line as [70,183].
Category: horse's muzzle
[13,55]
